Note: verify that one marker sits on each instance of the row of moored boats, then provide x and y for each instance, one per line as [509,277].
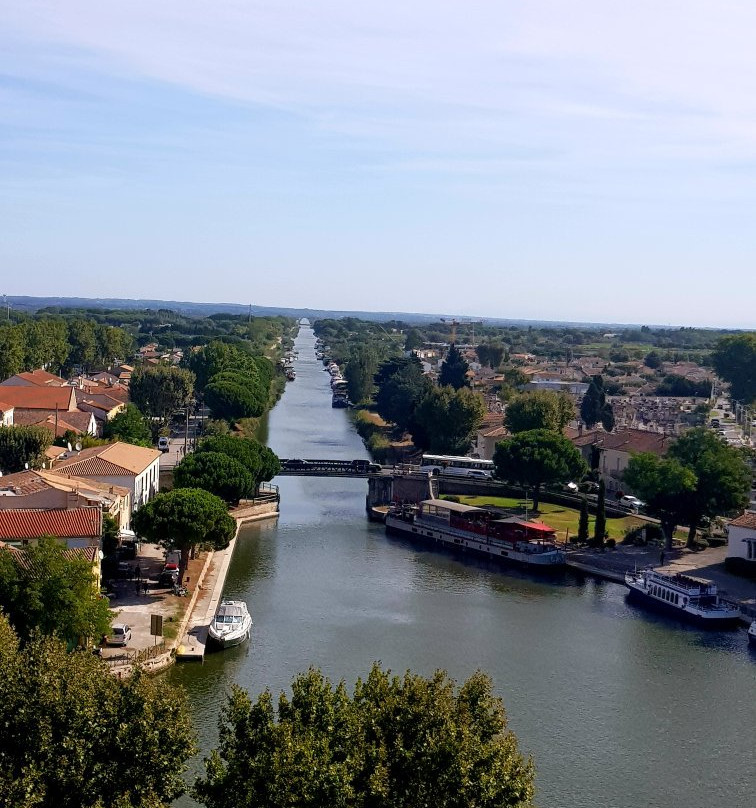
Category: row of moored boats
[532,544]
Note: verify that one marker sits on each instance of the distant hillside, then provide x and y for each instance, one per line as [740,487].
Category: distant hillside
[32,304]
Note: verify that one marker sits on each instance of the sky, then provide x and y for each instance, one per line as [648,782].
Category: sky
[581,160]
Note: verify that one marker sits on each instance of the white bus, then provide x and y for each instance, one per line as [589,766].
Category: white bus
[457,466]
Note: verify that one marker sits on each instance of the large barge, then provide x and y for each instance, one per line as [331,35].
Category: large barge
[509,540]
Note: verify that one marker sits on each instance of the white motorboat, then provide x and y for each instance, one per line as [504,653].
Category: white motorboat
[231,625]
[752,634]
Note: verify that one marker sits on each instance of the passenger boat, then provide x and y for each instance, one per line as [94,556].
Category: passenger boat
[509,540]
[231,625]
[752,634]
[693,599]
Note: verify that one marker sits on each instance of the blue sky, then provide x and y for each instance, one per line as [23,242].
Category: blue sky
[571,160]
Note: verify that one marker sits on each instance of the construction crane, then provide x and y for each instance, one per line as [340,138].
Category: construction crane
[453,323]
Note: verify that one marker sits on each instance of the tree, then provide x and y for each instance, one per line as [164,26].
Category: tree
[665,485]
[184,519]
[599,527]
[539,409]
[445,420]
[235,398]
[129,426]
[43,589]
[396,743]
[401,385]
[536,458]
[20,445]
[413,340]
[583,530]
[359,372]
[454,369]
[257,459]
[75,736]
[160,390]
[723,477]
[83,346]
[594,407]
[490,353]
[217,473]
[652,360]
[734,359]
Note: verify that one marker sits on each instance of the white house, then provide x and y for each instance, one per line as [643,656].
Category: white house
[741,543]
[133,467]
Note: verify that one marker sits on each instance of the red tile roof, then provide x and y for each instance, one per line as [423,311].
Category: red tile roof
[41,378]
[39,398]
[747,520]
[114,459]
[31,524]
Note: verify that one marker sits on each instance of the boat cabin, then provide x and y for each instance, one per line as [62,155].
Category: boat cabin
[453,514]
[513,529]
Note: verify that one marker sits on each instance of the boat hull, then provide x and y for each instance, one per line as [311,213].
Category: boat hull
[227,640]
[661,607]
[545,562]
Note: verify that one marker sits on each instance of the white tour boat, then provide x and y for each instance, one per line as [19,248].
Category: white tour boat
[693,599]
[231,625]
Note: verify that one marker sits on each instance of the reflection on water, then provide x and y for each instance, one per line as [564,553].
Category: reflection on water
[618,706]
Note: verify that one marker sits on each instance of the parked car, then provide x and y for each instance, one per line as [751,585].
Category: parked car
[632,502]
[164,444]
[121,634]
[571,488]
[168,578]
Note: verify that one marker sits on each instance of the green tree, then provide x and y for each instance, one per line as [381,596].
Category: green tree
[22,444]
[599,526]
[539,409]
[401,385]
[396,743]
[75,736]
[185,519]
[232,399]
[454,369]
[43,589]
[217,473]
[723,477]
[11,351]
[536,458]
[83,345]
[583,529]
[490,353]
[413,340]
[359,372]
[257,459]
[652,360]
[594,408]
[734,359]
[445,420]
[161,390]
[665,485]
[129,426]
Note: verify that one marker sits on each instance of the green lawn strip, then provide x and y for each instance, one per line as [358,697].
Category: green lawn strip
[562,519]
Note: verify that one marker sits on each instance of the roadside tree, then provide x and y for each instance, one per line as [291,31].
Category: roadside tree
[161,390]
[400,386]
[129,426]
[20,445]
[454,369]
[537,458]
[217,473]
[43,589]
[185,519]
[359,372]
[257,459]
[232,397]
[396,743]
[540,409]
[445,420]
[75,736]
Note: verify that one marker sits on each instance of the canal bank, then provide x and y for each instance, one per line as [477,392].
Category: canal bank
[618,706]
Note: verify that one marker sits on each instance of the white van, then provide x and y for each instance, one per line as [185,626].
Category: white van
[164,444]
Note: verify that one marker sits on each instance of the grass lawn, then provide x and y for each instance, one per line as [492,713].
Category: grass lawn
[562,519]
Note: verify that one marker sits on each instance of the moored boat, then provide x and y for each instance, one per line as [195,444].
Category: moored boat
[464,528]
[693,599]
[231,625]
[752,634]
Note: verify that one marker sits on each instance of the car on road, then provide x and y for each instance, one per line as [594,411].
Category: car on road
[632,502]
[164,444]
[121,634]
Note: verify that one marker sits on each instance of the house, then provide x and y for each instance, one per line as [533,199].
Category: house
[25,397]
[615,450]
[60,423]
[6,414]
[133,467]
[741,544]
[34,378]
[43,490]
[487,439]
[77,527]
[102,405]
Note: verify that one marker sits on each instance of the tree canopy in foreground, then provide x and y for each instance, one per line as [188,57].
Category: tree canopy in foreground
[396,743]
[74,736]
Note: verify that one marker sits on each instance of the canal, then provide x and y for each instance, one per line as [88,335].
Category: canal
[618,708]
